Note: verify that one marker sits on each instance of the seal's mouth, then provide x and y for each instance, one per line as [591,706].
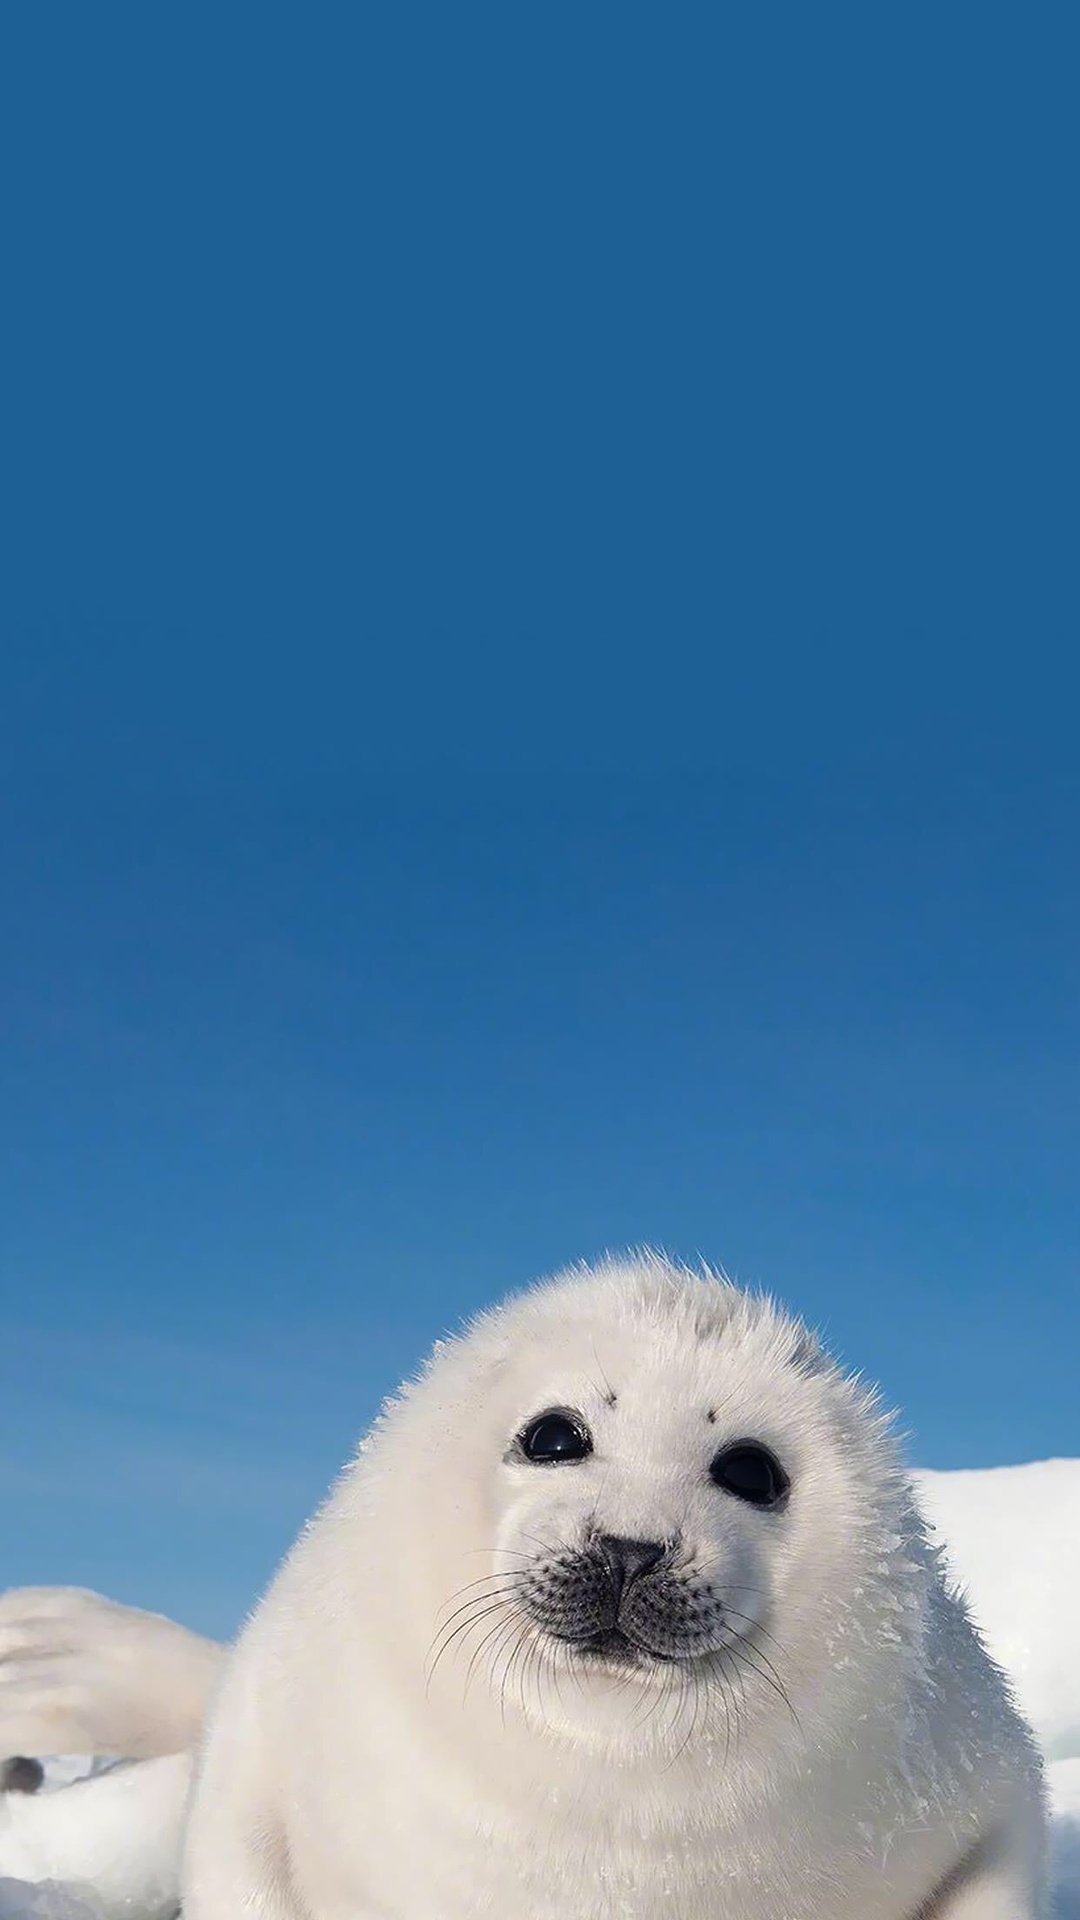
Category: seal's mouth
[612,1647]
[611,1644]
[606,1610]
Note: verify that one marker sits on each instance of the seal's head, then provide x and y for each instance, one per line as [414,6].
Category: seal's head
[678,1495]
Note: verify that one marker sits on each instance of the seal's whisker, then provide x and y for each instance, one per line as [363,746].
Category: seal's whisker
[550,1548]
[556,1670]
[521,1644]
[699,1567]
[470,1553]
[478,1611]
[732,1713]
[466,1626]
[448,1631]
[740,1652]
[496,1632]
[691,1684]
[487,1580]
[760,1651]
[470,1608]
[501,1635]
[534,1663]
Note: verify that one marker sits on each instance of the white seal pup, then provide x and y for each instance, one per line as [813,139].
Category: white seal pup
[623,1609]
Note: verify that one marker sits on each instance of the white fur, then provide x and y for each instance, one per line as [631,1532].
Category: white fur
[82,1674]
[848,1753]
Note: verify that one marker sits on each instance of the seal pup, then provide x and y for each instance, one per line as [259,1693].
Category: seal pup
[622,1609]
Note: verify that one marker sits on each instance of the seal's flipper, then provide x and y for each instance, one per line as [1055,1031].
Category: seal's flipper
[82,1674]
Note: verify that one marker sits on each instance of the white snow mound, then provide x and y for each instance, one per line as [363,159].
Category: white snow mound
[1012,1542]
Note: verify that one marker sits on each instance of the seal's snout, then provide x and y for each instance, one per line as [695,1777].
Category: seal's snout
[610,1595]
[626,1560]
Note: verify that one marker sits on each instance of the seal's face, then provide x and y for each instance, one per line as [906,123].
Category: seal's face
[678,1490]
[617,1597]
[646,1467]
[642,1523]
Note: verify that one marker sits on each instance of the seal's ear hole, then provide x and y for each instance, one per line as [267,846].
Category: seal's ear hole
[751,1473]
[555,1437]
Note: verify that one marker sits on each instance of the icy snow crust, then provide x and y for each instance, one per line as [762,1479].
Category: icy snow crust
[1012,1541]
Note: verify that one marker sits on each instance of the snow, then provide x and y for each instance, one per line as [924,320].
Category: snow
[102,1848]
[95,1848]
[1065,1795]
[1012,1540]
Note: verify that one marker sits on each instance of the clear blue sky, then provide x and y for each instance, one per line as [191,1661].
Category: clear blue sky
[537,712]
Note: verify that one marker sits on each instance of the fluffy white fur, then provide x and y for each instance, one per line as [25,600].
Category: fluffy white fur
[395,1739]
[82,1674]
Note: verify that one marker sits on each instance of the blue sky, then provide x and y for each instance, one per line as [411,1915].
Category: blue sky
[537,713]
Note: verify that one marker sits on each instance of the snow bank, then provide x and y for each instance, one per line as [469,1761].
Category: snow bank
[1065,1865]
[1012,1540]
[97,1848]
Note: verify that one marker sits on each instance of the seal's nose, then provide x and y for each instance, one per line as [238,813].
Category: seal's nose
[628,1559]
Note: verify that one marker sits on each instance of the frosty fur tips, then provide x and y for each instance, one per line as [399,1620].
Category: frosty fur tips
[622,1609]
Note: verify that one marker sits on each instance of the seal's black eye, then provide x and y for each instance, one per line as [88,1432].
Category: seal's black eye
[554,1437]
[751,1473]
